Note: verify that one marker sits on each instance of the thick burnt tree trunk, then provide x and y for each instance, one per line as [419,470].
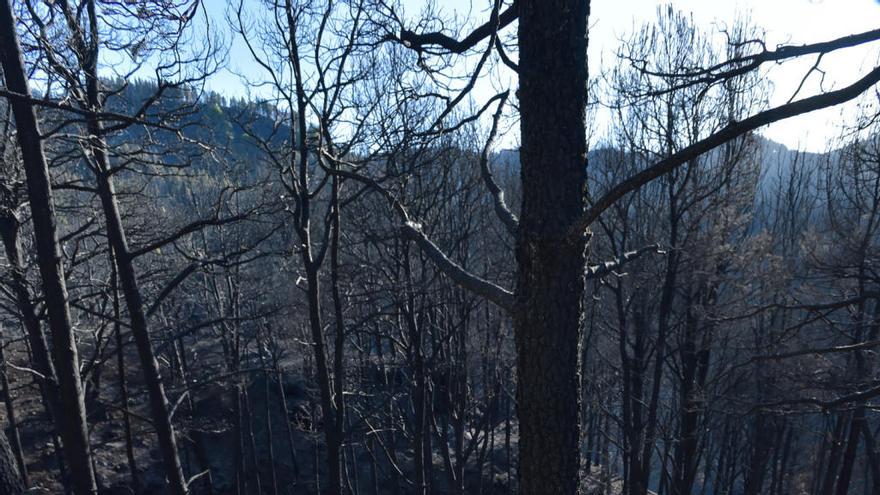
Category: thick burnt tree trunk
[74,430]
[550,279]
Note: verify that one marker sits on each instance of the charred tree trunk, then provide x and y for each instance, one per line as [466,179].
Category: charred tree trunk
[9,231]
[291,443]
[251,439]
[97,154]
[761,449]
[159,407]
[267,418]
[74,430]
[311,261]
[339,338]
[39,349]
[11,417]
[550,261]
[116,236]
[11,482]
[123,382]
[849,454]
[328,411]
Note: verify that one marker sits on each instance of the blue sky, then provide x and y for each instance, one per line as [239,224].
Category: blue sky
[785,21]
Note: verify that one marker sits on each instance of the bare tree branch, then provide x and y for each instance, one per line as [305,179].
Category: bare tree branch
[738,66]
[412,230]
[507,217]
[480,286]
[602,269]
[420,41]
[731,131]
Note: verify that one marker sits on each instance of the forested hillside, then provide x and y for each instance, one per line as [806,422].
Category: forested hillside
[411,259]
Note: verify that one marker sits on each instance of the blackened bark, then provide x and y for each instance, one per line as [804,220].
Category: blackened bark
[686,453]
[11,482]
[240,468]
[418,395]
[666,302]
[873,461]
[159,407]
[334,465]
[849,454]
[9,232]
[251,439]
[339,338]
[284,409]
[11,417]
[550,279]
[118,242]
[311,260]
[123,382]
[270,439]
[74,429]
[760,455]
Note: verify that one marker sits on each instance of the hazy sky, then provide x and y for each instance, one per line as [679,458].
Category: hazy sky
[785,21]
